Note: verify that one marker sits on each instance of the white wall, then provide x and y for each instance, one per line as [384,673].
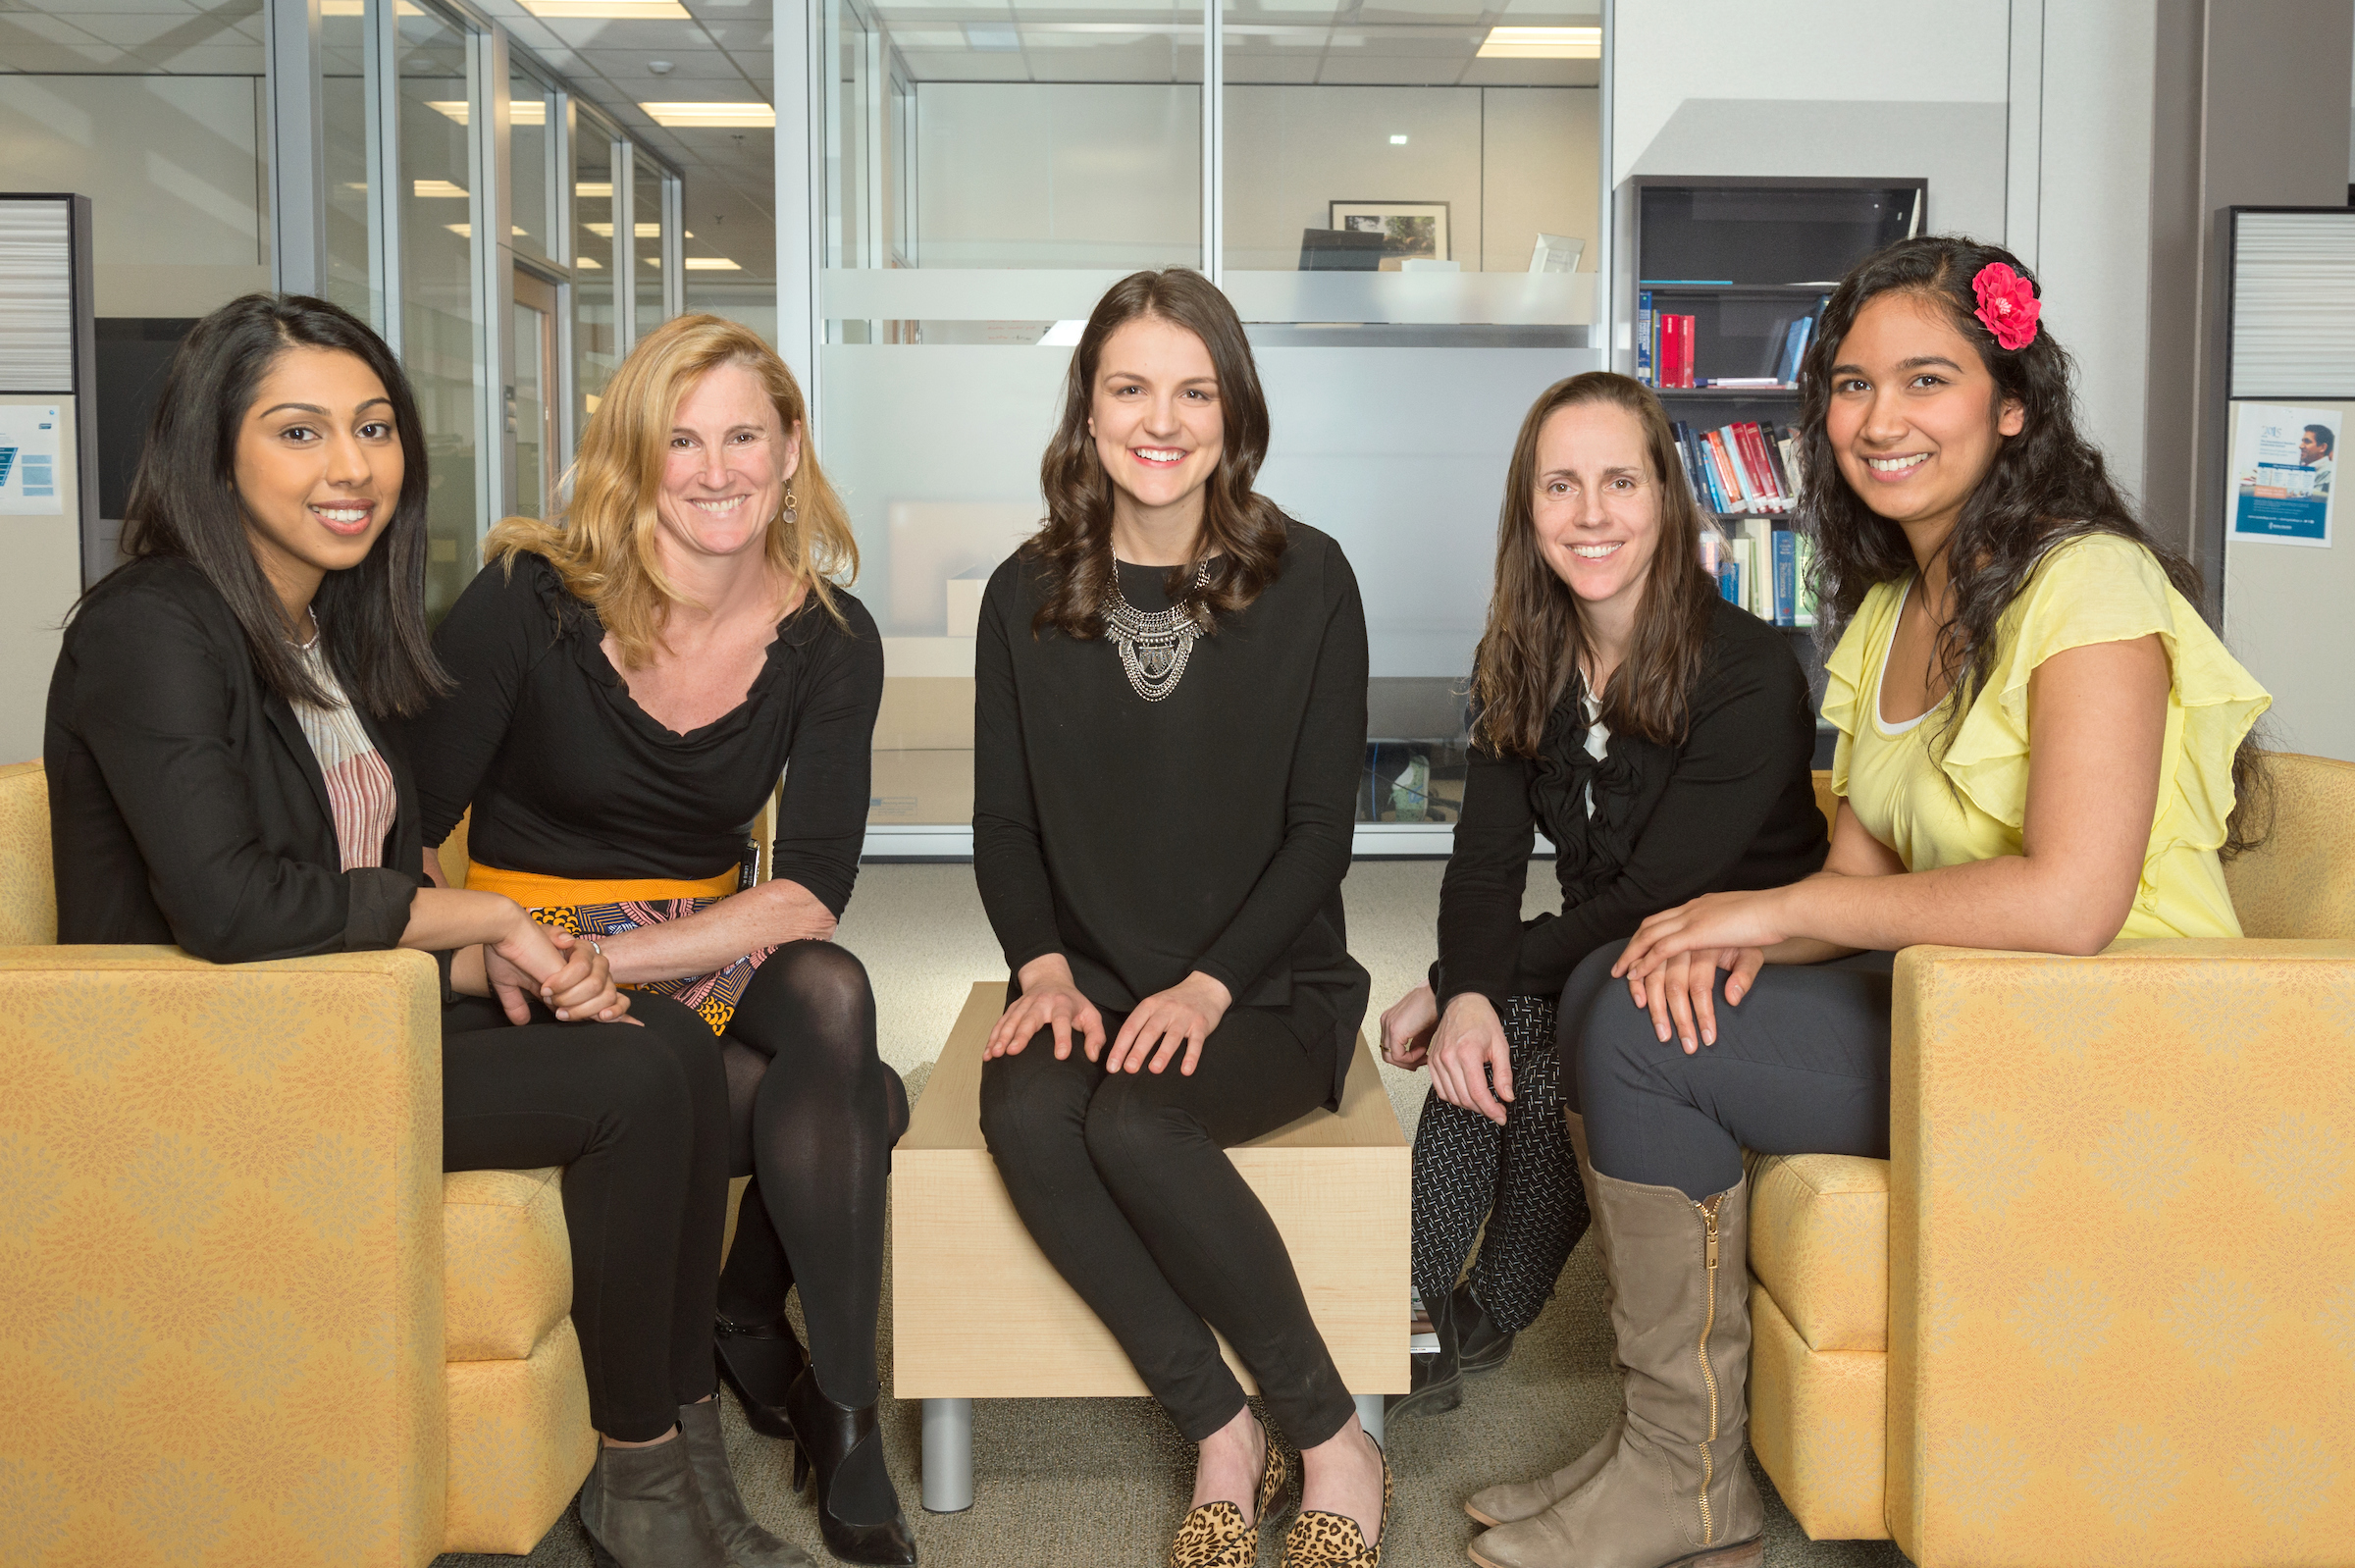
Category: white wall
[172,165]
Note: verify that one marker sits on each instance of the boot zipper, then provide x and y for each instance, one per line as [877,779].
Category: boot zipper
[1709,1374]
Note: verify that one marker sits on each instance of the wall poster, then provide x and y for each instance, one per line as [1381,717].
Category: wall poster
[2283,461]
[28,486]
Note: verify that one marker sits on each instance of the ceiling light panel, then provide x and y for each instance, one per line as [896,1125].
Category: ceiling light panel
[695,116]
[520,111]
[608,10]
[711,264]
[1543,43]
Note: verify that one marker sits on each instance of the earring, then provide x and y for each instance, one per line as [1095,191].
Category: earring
[792,512]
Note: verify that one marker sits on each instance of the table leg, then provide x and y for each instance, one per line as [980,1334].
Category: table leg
[1369,1414]
[949,1454]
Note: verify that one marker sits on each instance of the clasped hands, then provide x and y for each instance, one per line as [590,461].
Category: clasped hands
[1156,1029]
[563,970]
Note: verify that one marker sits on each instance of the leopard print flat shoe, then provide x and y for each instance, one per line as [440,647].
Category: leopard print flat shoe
[1216,1535]
[1320,1539]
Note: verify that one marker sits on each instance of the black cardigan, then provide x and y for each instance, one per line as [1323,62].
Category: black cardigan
[184,805]
[1208,831]
[1734,807]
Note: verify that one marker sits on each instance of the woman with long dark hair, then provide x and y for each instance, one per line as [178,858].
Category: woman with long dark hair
[225,773]
[628,684]
[1169,731]
[2042,747]
[1661,739]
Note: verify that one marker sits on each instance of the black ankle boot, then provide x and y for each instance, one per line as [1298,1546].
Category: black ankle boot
[1480,1346]
[642,1510]
[846,1448]
[759,1361]
[1439,1376]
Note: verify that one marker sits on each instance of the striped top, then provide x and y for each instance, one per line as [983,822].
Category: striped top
[359,784]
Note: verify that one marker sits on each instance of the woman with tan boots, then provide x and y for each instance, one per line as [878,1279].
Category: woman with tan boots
[2042,747]
[1660,737]
[630,683]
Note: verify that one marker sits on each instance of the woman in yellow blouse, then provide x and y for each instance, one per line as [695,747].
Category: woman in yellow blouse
[1994,586]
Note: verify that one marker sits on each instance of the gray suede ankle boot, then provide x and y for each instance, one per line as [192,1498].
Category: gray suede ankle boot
[640,1509]
[748,1545]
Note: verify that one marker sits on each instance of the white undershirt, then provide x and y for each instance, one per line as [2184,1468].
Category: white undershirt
[1599,736]
[1878,722]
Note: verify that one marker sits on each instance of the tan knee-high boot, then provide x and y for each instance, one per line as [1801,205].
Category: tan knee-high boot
[1675,1492]
[1510,1501]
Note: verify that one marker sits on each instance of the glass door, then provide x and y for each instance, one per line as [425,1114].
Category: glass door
[532,406]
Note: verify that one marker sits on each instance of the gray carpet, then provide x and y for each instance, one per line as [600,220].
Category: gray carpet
[1094,1483]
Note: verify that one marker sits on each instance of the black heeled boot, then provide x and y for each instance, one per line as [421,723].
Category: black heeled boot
[1480,1346]
[1438,1375]
[846,1448]
[759,1361]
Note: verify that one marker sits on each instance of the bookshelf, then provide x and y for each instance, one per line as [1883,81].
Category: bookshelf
[1740,263]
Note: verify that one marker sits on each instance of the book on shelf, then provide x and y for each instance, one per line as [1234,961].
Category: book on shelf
[1785,544]
[1743,469]
[1671,339]
[1804,598]
[1795,346]
[1745,383]
[1644,358]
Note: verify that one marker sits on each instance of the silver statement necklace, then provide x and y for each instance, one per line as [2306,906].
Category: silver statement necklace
[1153,647]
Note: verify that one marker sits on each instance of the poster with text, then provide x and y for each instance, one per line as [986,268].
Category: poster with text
[29,461]
[2283,461]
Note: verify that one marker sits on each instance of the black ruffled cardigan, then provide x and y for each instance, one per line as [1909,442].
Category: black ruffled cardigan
[1734,807]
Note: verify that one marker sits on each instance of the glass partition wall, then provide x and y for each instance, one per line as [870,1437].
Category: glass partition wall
[1406,214]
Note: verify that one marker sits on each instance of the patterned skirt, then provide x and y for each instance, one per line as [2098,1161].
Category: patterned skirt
[610,908]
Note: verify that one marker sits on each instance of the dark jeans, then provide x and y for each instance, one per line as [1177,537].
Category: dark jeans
[1801,1066]
[1125,1184]
[637,1117]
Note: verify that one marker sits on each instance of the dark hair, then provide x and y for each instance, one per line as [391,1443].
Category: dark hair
[2325,438]
[2047,485]
[184,506]
[1537,632]
[1074,546]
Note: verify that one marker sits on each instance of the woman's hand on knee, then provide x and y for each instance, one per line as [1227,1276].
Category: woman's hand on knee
[1681,993]
[1050,1000]
[1407,1026]
[1467,1051]
[1185,1014]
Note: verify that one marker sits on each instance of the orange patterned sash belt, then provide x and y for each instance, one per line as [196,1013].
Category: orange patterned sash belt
[607,908]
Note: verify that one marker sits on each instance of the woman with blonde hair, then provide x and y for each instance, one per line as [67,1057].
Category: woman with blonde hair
[630,680]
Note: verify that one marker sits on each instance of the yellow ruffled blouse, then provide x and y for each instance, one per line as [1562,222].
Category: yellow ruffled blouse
[1968,805]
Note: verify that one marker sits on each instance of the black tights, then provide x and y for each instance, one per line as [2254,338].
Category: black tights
[812,1114]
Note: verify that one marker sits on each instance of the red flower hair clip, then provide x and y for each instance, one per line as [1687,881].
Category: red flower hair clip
[2007,304]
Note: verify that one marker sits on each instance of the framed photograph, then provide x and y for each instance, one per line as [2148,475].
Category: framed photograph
[1411,228]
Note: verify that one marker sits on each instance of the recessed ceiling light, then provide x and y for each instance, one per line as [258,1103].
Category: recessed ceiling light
[520,111]
[992,39]
[696,115]
[1543,43]
[711,264]
[644,230]
[610,10]
[591,262]
[594,189]
[439,188]
[1397,141]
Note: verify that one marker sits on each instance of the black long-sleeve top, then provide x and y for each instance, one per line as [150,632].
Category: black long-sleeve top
[1207,831]
[1734,807]
[184,805]
[570,777]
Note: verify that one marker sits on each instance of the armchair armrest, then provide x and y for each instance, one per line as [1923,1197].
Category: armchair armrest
[220,1253]
[2120,1327]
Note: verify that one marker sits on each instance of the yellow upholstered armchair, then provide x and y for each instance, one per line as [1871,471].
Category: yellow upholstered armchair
[239,1303]
[2099,1305]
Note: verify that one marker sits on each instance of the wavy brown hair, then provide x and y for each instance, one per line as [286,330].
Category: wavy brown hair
[1242,526]
[1536,637]
[602,547]
[2048,485]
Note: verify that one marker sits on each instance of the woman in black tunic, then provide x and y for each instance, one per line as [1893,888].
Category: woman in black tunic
[629,688]
[1169,730]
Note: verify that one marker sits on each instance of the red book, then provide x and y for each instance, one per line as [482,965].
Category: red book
[1759,467]
[1668,360]
[1684,344]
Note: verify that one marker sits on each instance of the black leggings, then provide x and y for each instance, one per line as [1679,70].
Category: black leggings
[1801,1066]
[637,1117]
[813,1112]
[1521,1178]
[1125,1184]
